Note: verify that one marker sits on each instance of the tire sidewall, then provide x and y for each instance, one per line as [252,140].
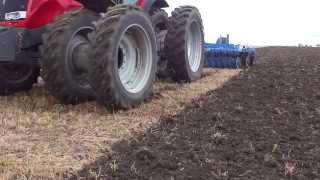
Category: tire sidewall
[134,18]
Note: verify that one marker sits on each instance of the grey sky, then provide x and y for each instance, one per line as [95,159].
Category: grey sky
[260,22]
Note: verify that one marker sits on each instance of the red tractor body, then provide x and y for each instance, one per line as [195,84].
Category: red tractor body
[22,22]
[38,13]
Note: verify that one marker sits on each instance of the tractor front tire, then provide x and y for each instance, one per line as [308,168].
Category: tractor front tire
[17,77]
[61,46]
[125,58]
[184,44]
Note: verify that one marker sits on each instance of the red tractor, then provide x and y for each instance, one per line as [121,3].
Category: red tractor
[108,50]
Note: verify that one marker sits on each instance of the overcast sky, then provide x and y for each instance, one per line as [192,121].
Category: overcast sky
[260,22]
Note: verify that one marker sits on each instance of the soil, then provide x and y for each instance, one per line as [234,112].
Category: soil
[262,124]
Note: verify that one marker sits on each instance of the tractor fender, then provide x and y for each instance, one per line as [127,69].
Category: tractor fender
[148,4]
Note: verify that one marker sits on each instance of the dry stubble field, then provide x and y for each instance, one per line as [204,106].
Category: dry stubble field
[42,139]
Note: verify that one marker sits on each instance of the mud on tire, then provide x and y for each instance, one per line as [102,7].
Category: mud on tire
[184,44]
[62,79]
[160,21]
[124,63]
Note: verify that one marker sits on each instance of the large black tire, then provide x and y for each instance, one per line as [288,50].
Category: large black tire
[184,21]
[63,80]
[111,31]
[160,21]
[17,77]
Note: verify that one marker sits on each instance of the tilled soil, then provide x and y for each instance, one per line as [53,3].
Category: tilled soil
[263,124]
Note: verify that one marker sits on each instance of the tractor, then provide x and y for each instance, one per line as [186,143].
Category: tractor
[105,50]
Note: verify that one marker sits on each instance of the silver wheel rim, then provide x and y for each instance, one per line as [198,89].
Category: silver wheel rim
[194,46]
[78,40]
[134,59]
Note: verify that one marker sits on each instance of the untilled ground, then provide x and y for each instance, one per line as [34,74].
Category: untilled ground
[42,139]
[261,125]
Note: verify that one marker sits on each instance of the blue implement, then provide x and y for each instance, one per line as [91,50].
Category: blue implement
[222,54]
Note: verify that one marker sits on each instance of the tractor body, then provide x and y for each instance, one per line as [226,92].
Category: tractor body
[22,22]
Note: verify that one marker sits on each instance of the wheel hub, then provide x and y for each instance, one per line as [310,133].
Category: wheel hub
[78,56]
[134,59]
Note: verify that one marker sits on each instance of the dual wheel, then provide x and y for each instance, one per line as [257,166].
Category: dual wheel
[115,60]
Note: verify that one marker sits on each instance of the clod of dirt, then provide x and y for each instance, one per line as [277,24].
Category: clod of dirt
[270,160]
[145,154]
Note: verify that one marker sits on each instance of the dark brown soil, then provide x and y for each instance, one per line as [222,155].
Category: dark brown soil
[263,124]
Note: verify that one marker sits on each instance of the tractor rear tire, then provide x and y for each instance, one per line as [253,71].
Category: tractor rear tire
[63,79]
[125,58]
[160,21]
[184,44]
[17,77]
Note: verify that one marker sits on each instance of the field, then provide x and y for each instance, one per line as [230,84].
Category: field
[258,123]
